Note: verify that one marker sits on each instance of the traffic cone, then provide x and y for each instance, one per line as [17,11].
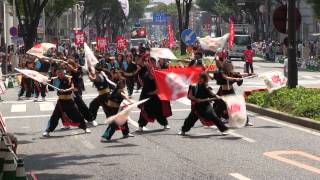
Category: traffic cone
[9,166]
[10,83]
[21,172]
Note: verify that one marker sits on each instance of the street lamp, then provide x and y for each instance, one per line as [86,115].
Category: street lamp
[79,7]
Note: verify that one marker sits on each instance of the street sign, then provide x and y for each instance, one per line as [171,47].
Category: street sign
[13,31]
[188,37]
[159,17]
[280,19]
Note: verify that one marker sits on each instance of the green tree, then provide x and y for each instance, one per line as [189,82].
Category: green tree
[316,7]
[29,13]
[183,8]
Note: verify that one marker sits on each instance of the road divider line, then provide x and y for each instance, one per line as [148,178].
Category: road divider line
[19,108]
[239,176]
[46,106]
[243,137]
[309,131]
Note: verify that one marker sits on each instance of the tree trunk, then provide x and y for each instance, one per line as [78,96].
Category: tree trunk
[182,45]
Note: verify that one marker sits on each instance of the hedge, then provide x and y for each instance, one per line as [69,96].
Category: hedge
[303,102]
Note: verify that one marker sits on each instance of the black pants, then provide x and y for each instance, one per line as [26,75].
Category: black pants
[189,121]
[26,86]
[67,111]
[249,65]
[113,127]
[143,121]
[94,105]
[208,113]
[40,89]
[130,86]
[220,107]
[86,113]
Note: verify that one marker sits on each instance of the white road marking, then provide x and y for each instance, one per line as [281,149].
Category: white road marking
[308,77]
[243,137]
[46,106]
[19,108]
[296,127]
[239,176]
[184,101]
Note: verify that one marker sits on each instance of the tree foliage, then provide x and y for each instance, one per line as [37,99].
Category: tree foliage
[316,7]
[224,8]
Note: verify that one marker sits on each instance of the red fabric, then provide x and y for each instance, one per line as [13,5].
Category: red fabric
[170,34]
[166,108]
[232,33]
[102,42]
[79,38]
[248,55]
[121,42]
[173,84]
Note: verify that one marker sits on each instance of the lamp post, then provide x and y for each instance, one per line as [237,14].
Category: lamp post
[79,7]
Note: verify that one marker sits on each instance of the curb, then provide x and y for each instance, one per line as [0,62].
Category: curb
[305,122]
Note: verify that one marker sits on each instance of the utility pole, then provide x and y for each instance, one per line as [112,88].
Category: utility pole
[5,30]
[292,51]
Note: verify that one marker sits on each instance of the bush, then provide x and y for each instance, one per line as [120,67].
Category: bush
[301,101]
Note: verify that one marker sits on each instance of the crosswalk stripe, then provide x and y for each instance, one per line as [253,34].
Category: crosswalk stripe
[184,101]
[46,106]
[308,77]
[19,108]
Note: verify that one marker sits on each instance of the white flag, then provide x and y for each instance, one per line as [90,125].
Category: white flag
[2,87]
[125,7]
[164,53]
[237,111]
[123,115]
[90,58]
[33,75]
[274,80]
[213,44]
[39,50]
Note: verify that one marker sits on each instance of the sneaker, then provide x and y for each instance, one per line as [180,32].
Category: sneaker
[65,127]
[249,124]
[181,133]
[46,134]
[87,131]
[166,127]
[43,99]
[225,133]
[128,135]
[104,139]
[94,123]
[35,99]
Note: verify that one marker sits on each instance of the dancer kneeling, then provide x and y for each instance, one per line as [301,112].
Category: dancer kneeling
[113,105]
[200,96]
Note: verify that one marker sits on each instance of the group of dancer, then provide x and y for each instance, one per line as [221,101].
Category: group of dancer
[112,75]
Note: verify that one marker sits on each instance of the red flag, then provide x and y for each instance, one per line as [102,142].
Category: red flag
[170,34]
[121,42]
[232,33]
[102,42]
[173,84]
[79,38]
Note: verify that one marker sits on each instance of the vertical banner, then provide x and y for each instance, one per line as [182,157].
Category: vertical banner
[170,35]
[232,33]
[102,42]
[79,38]
[121,42]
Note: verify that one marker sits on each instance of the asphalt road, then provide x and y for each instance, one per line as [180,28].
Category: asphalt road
[269,150]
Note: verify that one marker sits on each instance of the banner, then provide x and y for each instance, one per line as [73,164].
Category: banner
[102,42]
[39,50]
[237,111]
[163,53]
[170,35]
[79,38]
[33,75]
[90,58]
[174,83]
[125,7]
[213,44]
[139,32]
[274,80]
[121,42]
[232,33]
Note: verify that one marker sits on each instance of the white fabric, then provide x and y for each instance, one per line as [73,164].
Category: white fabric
[213,44]
[164,53]
[274,80]
[125,7]
[90,58]
[237,111]
[33,75]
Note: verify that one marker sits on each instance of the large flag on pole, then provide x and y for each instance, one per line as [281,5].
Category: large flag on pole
[274,80]
[237,111]
[174,83]
[125,7]
[123,115]
[90,58]
[170,35]
[39,50]
[164,53]
[213,44]
[232,32]
[33,75]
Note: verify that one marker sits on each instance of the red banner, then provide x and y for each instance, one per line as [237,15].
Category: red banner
[79,38]
[121,42]
[170,34]
[102,42]
[173,84]
[232,33]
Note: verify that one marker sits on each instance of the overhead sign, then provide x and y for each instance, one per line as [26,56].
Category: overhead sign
[280,19]
[159,17]
[102,42]
[188,37]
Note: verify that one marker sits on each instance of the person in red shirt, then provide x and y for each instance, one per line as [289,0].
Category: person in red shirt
[248,56]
